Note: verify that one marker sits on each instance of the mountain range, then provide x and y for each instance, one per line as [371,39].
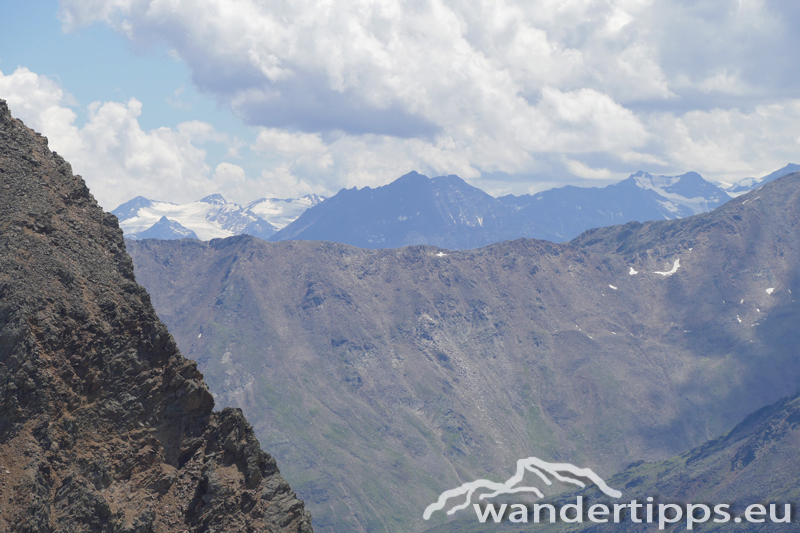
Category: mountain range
[444,211]
[209,218]
[380,378]
[448,212]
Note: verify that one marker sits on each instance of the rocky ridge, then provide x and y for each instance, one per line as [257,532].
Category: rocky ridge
[104,425]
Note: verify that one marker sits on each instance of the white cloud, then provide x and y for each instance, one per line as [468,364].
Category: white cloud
[358,92]
[584,171]
[724,82]
[115,156]
[726,145]
[282,183]
[229,173]
[201,132]
[284,142]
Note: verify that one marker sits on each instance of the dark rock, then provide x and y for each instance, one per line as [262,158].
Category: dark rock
[104,425]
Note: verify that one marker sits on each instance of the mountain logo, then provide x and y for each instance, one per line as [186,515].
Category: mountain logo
[564,472]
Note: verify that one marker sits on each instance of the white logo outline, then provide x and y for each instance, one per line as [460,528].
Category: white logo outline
[531,464]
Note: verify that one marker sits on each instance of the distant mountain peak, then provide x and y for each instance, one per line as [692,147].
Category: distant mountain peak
[214,199]
[313,198]
[166,229]
[450,179]
[748,184]
[131,207]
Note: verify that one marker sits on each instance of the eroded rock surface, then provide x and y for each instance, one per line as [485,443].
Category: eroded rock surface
[104,425]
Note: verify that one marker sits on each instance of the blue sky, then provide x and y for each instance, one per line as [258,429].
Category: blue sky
[95,63]
[177,99]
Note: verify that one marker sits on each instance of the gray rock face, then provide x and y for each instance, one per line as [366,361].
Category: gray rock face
[104,425]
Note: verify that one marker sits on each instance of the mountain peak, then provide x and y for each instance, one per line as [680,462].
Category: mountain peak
[314,199]
[166,229]
[131,208]
[411,177]
[214,199]
[450,179]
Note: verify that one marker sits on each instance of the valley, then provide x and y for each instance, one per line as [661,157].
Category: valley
[379,378]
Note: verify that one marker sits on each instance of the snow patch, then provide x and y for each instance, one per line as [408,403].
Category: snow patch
[769,291]
[613,287]
[669,206]
[674,269]
[200,335]
[633,272]
[739,319]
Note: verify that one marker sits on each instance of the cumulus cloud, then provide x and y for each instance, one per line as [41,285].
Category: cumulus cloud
[115,156]
[728,144]
[584,171]
[358,92]
[402,69]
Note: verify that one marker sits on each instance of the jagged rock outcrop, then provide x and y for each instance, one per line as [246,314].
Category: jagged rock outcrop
[104,425]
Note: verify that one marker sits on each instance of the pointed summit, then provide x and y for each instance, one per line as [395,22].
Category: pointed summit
[214,199]
[167,229]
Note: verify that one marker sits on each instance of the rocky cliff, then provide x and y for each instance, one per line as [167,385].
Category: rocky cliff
[104,425]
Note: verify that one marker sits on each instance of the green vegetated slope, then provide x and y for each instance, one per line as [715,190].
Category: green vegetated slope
[380,378]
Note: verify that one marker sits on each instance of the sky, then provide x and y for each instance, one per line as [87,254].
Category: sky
[177,99]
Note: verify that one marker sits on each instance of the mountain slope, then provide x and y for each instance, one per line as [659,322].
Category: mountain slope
[424,368]
[448,212]
[754,463]
[104,425]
